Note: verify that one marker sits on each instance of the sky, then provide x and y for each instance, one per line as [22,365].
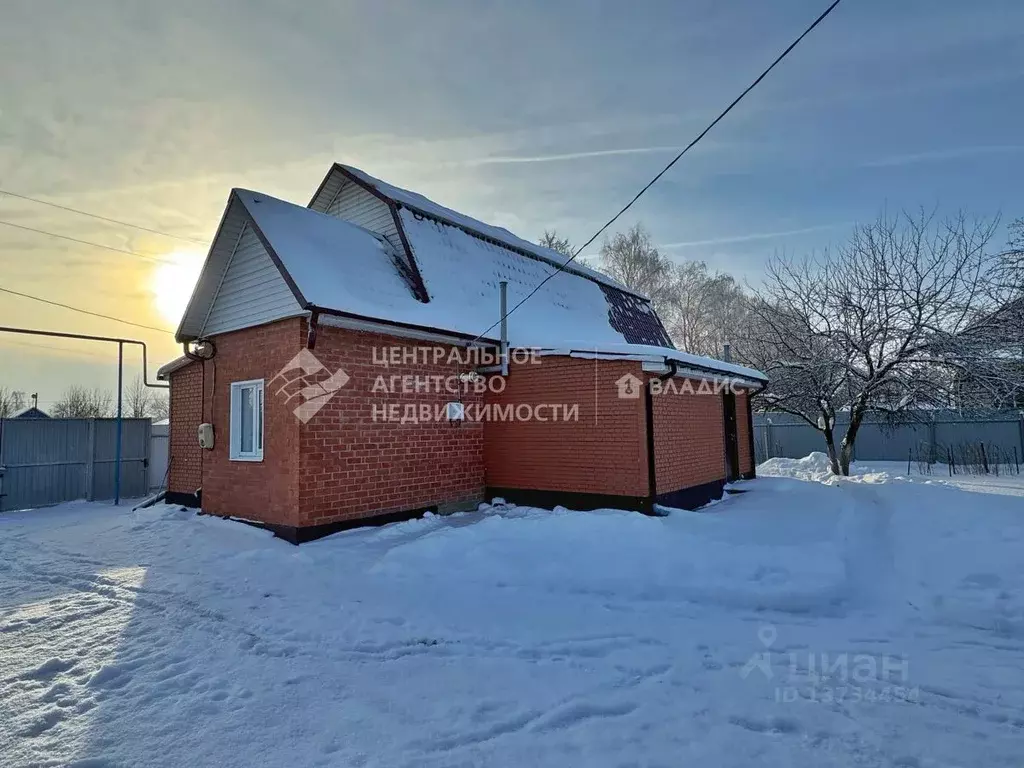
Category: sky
[530,115]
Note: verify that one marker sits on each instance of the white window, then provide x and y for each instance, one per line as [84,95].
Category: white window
[247,420]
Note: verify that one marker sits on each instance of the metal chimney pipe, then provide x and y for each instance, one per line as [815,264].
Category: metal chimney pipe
[503,289]
[727,352]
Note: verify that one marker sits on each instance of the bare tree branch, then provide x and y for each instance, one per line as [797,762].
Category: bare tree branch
[77,402]
[893,320]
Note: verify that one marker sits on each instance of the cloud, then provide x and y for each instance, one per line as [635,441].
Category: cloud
[939,155]
[497,160]
[753,237]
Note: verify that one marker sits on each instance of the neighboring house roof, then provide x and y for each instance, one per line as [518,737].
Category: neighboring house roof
[31,413]
[1010,318]
[366,253]
[1004,325]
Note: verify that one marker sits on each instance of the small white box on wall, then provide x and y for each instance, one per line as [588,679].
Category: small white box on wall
[206,436]
[455,412]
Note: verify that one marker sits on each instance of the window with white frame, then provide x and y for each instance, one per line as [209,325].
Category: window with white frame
[247,420]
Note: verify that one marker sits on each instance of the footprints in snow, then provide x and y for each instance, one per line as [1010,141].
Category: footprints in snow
[48,669]
[777,724]
[567,715]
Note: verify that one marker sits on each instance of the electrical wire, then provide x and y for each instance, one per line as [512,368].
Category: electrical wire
[146,256]
[84,311]
[100,218]
[71,350]
[665,170]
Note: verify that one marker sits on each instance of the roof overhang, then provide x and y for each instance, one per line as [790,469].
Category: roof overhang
[702,374]
[350,321]
[164,371]
[665,363]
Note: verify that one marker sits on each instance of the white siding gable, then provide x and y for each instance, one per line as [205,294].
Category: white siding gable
[355,204]
[252,290]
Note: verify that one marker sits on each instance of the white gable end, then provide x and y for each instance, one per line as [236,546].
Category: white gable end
[252,290]
[355,204]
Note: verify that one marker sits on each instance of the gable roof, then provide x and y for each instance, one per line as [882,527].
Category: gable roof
[421,268]
[31,412]
[417,203]
[333,266]
[323,261]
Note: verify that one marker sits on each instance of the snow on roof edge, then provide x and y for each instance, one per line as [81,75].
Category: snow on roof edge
[168,368]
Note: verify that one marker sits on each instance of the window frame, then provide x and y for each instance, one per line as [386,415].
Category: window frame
[257,417]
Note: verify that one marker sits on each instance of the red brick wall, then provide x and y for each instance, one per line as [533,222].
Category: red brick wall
[603,452]
[255,490]
[186,408]
[350,461]
[743,433]
[689,438]
[352,466]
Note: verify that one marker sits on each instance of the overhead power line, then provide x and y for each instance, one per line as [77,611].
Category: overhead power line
[665,170]
[84,311]
[78,352]
[146,256]
[101,218]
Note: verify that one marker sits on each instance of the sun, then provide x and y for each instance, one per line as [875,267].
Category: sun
[172,284]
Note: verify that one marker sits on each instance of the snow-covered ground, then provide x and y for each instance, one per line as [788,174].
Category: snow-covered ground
[875,621]
[815,467]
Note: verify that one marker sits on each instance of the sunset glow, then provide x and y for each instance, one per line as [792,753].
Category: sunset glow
[172,284]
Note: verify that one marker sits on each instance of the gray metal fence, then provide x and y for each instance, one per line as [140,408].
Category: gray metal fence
[49,461]
[779,434]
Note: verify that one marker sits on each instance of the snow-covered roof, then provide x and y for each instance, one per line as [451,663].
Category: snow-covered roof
[31,412]
[429,270]
[420,204]
[335,265]
[462,274]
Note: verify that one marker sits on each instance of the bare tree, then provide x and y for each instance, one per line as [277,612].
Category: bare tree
[704,310]
[11,401]
[884,325]
[1011,263]
[137,399]
[143,402]
[551,239]
[159,407]
[632,258]
[78,402]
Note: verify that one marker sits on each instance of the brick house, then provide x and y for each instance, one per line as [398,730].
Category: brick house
[342,363]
